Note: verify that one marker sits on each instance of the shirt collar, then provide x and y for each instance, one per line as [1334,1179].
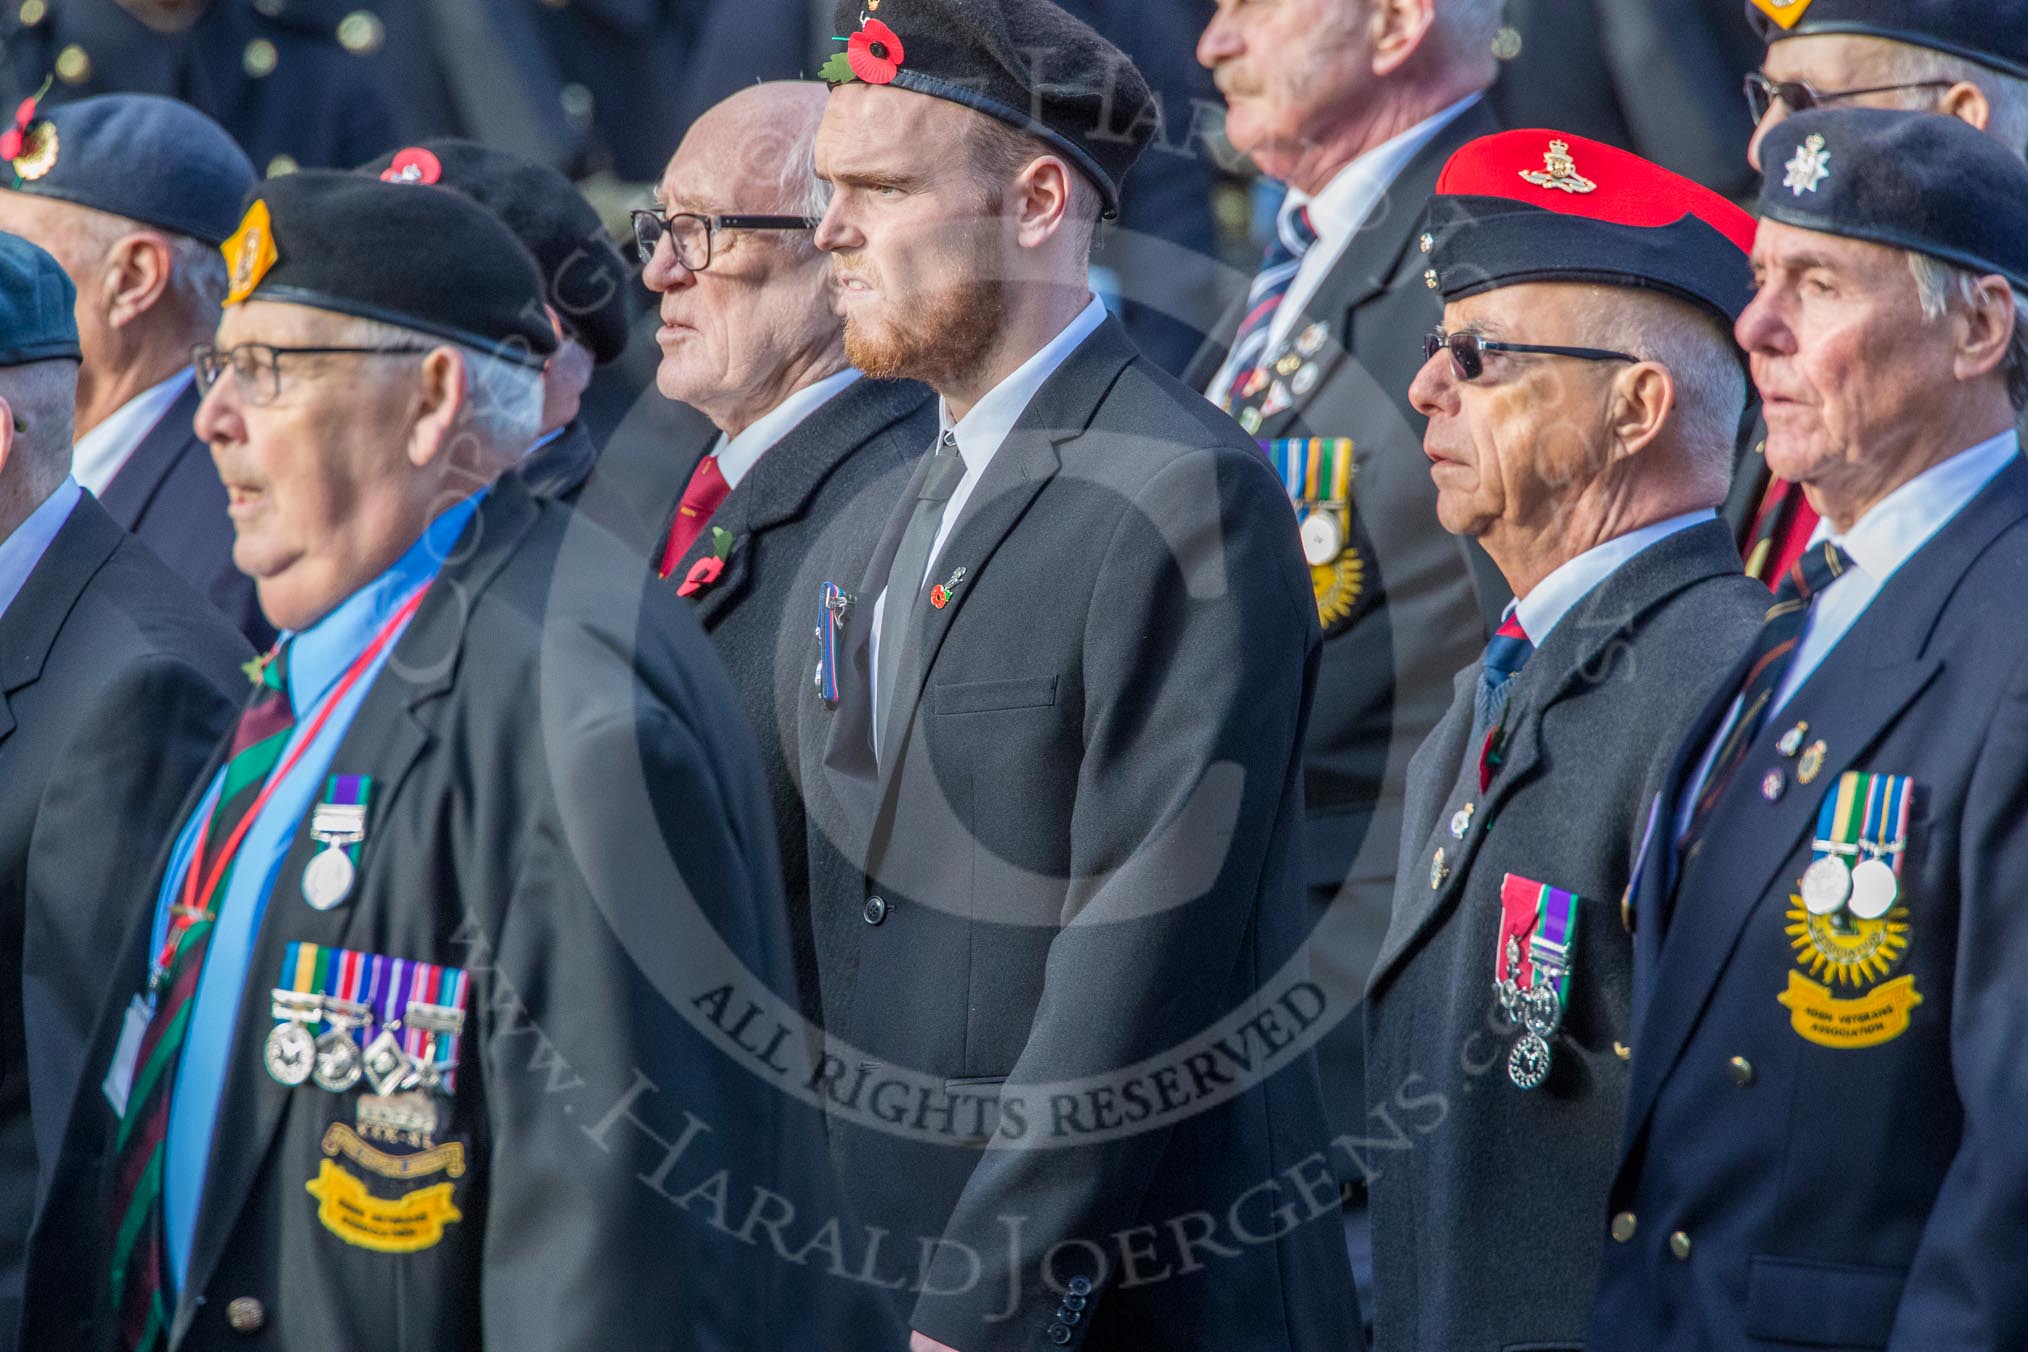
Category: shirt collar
[982,430]
[1349,198]
[28,542]
[737,455]
[319,655]
[1895,527]
[103,452]
[1554,597]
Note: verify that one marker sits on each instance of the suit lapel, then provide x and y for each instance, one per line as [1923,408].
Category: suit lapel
[389,733]
[127,497]
[30,625]
[1876,671]
[1446,771]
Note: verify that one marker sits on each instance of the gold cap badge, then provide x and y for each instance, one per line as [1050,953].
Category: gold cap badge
[250,252]
[1783,12]
[1561,171]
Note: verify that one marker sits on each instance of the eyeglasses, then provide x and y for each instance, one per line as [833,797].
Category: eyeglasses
[1468,351]
[257,367]
[691,234]
[1762,92]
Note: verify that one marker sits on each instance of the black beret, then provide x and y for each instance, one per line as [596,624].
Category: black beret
[36,323]
[422,257]
[1991,32]
[1025,62]
[150,159]
[1911,180]
[584,276]
[1546,206]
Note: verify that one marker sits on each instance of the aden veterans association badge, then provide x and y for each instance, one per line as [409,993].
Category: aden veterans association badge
[1318,474]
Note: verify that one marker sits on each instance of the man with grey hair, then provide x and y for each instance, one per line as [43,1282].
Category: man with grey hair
[1942,56]
[485,796]
[133,194]
[1355,104]
[806,448]
[1582,399]
[115,681]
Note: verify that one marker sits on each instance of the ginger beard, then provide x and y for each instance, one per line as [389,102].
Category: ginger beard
[940,332]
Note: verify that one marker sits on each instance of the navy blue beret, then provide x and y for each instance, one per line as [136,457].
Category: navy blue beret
[584,275]
[150,159]
[1546,206]
[1912,180]
[422,257]
[1991,32]
[36,323]
[1027,63]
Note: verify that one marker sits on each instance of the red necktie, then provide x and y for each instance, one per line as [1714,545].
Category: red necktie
[707,490]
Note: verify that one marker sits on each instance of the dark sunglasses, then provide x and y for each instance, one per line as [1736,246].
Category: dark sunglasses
[1762,92]
[1468,352]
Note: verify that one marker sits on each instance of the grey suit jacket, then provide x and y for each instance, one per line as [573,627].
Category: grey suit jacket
[1485,1197]
[115,681]
[1080,851]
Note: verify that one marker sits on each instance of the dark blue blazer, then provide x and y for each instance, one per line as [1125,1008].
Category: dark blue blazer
[169,495]
[1784,1187]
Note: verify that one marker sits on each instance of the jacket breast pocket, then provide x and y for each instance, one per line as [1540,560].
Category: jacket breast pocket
[979,697]
[1796,1300]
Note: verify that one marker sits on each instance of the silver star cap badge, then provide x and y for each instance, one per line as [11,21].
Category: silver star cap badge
[1808,167]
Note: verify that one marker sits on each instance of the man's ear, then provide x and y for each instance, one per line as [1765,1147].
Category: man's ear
[1043,197]
[1644,398]
[1967,102]
[1984,327]
[441,404]
[1398,28]
[134,276]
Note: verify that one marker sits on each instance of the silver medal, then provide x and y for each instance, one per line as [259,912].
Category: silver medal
[1323,541]
[327,879]
[387,1065]
[1528,1063]
[338,1061]
[290,1053]
[1874,889]
[1826,884]
[1541,1008]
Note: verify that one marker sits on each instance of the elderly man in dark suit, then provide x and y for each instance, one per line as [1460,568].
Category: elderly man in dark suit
[1822,1144]
[1355,107]
[115,681]
[1060,786]
[133,194]
[1582,401]
[431,998]
[808,458]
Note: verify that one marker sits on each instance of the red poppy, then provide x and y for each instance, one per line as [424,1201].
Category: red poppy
[875,53]
[413,165]
[10,144]
[702,574]
[15,139]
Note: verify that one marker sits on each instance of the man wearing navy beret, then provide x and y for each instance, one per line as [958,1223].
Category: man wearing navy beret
[1582,396]
[1822,1145]
[1968,61]
[134,194]
[1058,775]
[115,681]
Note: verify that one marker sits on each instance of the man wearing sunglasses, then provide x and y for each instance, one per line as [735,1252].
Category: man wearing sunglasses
[1582,399]
[1963,60]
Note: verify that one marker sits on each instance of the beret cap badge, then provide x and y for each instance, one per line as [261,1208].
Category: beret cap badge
[250,252]
[874,55]
[1808,167]
[1559,171]
[414,165]
[1783,12]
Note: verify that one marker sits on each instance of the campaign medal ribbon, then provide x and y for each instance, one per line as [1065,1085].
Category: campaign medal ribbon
[1317,474]
[1862,829]
[339,824]
[347,980]
[417,1007]
[1531,970]
[833,608]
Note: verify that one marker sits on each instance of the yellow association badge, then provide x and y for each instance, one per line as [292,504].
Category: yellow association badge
[1843,952]
[413,1221]
[1784,12]
[250,252]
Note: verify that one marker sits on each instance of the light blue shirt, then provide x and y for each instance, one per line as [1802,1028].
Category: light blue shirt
[317,657]
[1879,542]
[1544,607]
[24,548]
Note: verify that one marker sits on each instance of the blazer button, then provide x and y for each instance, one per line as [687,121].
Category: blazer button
[1059,1334]
[876,910]
[1080,1286]
[246,1315]
[1623,1226]
[1068,1316]
[1075,1302]
[1623,1051]
[1741,1071]
[1679,1244]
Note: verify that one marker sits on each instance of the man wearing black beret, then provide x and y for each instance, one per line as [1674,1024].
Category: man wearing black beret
[1822,1145]
[133,194]
[1057,776]
[483,813]
[115,681]
[584,284]
[1968,61]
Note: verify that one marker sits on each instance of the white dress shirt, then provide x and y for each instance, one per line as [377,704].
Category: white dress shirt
[1554,597]
[105,450]
[22,550]
[737,455]
[979,436]
[1879,543]
[1339,210]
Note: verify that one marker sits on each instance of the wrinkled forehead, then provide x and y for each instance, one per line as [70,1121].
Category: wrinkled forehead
[1784,248]
[1833,61]
[277,322]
